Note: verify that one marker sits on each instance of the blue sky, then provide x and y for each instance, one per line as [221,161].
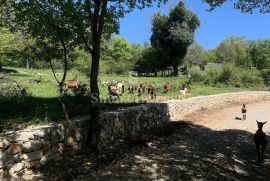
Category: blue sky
[215,26]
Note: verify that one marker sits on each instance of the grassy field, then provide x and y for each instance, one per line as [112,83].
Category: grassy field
[43,105]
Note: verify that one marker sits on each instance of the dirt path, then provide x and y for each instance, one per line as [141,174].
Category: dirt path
[225,118]
[210,146]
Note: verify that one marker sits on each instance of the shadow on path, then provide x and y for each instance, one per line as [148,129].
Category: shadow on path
[190,152]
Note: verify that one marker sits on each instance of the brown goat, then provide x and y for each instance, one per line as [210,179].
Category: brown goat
[153,92]
[113,91]
[167,86]
[71,84]
[244,111]
[142,86]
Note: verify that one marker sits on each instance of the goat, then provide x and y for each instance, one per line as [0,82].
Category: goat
[153,92]
[244,111]
[142,87]
[120,85]
[140,91]
[113,91]
[183,93]
[150,86]
[167,86]
[131,89]
[71,84]
[260,141]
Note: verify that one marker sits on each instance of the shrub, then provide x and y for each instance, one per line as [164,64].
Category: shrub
[226,74]
[196,74]
[211,77]
[12,90]
[231,75]
[265,73]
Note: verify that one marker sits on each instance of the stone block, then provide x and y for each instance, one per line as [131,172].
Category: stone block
[71,141]
[15,148]
[24,136]
[3,159]
[4,143]
[51,155]
[31,164]
[16,168]
[17,158]
[36,155]
[61,146]
[46,147]
[41,133]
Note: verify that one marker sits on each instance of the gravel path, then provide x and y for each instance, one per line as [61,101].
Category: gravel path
[225,118]
[210,145]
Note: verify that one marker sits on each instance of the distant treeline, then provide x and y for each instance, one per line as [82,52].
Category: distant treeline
[118,56]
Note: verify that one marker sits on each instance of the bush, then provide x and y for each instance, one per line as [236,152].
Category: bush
[230,75]
[12,90]
[226,74]
[265,73]
[196,74]
[211,77]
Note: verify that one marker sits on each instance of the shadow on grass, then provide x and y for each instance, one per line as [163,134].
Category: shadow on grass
[35,110]
[7,71]
[15,114]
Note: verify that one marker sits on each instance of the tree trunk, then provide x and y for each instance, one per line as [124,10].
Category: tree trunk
[27,64]
[94,122]
[98,21]
[175,70]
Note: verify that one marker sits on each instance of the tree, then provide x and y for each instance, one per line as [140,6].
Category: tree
[120,56]
[53,40]
[259,51]
[234,50]
[173,34]
[7,42]
[150,62]
[211,56]
[195,56]
[14,48]
[246,6]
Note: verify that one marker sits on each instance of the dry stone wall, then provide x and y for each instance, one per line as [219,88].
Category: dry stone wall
[32,148]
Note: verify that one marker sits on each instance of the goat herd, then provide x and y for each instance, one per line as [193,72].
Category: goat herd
[118,88]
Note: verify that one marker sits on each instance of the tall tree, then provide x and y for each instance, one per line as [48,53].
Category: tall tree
[173,34]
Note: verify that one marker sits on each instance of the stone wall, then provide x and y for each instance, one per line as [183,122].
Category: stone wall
[32,148]
[131,122]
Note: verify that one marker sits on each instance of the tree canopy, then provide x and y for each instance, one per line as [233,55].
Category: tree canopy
[173,34]
[247,6]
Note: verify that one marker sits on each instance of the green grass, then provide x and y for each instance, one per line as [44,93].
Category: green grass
[43,105]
